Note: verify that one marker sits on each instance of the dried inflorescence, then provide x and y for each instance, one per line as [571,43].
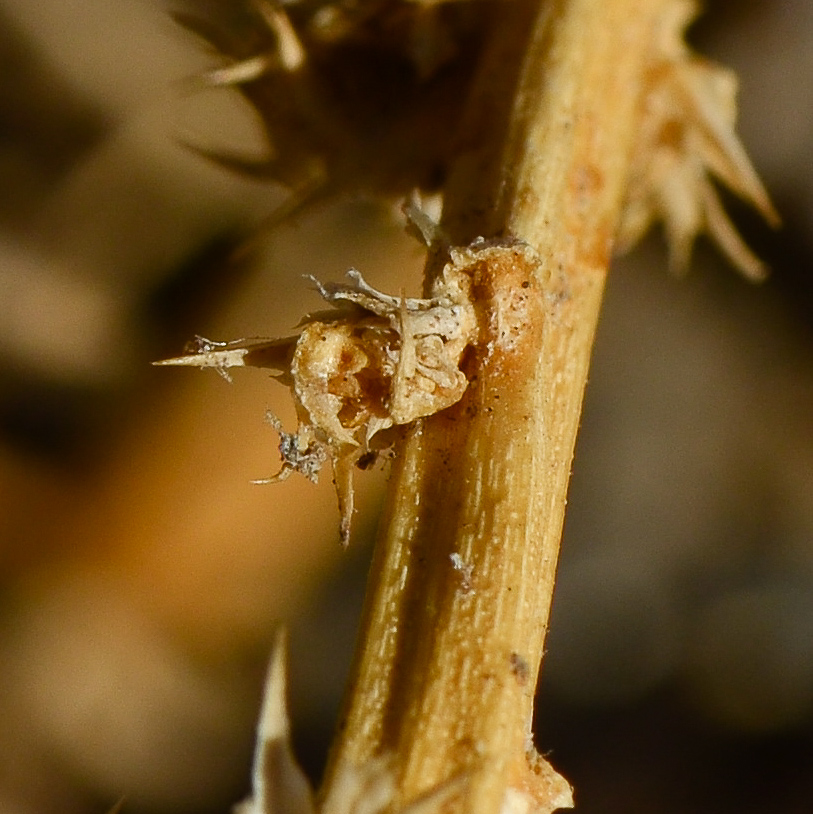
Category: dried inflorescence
[362,95]
[374,362]
[686,136]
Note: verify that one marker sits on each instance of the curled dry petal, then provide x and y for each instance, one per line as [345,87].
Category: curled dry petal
[686,138]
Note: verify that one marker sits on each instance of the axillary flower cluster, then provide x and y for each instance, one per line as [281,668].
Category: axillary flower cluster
[372,362]
[686,137]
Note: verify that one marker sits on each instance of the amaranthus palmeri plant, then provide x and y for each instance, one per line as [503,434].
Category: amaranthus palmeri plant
[555,130]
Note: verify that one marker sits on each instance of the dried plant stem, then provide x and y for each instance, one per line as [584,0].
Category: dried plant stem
[464,568]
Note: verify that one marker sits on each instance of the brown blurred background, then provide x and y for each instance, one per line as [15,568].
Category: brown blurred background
[143,575]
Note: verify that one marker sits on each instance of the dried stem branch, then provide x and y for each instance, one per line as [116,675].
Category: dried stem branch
[588,119]
[463,572]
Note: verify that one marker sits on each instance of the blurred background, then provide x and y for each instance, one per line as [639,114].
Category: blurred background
[143,574]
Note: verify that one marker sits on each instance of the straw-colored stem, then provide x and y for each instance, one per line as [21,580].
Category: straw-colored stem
[463,573]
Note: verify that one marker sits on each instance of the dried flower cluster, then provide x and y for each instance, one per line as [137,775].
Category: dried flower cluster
[685,137]
[359,95]
[373,362]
